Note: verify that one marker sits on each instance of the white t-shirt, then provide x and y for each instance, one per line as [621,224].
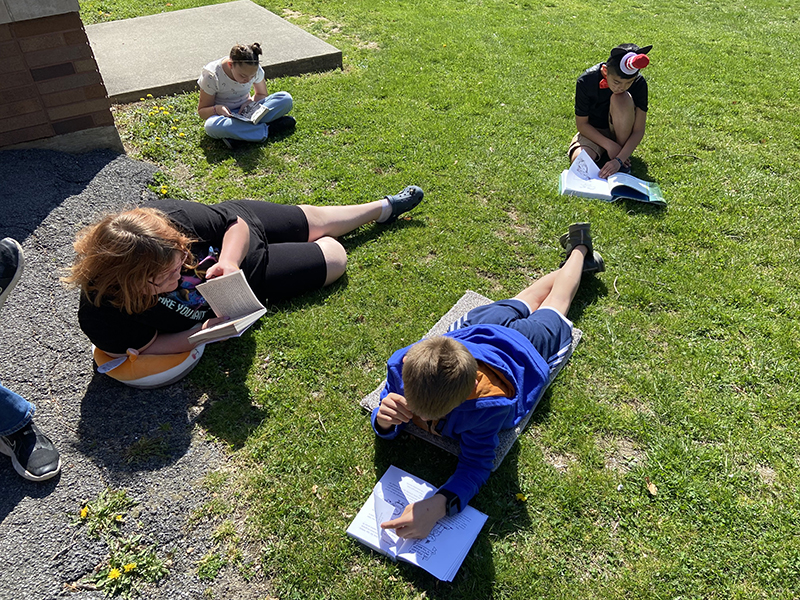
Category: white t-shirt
[225,90]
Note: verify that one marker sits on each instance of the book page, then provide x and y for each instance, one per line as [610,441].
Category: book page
[230,295]
[443,551]
[589,188]
[583,179]
[395,490]
[626,179]
[583,167]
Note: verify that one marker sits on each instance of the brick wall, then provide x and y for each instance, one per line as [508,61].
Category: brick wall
[49,82]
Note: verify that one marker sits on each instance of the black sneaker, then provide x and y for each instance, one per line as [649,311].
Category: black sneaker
[593,263]
[404,201]
[281,125]
[579,234]
[11,264]
[32,453]
[228,143]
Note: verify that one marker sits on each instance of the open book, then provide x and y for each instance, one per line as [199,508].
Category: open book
[252,113]
[583,179]
[229,296]
[442,553]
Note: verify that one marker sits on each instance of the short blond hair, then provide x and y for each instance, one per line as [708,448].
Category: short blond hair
[119,255]
[438,374]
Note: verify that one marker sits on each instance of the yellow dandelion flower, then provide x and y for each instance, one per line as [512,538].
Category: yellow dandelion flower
[129,567]
[158,139]
[84,512]
[173,128]
[165,113]
[114,574]
[161,108]
[118,518]
[141,99]
[522,497]
[181,134]
[149,95]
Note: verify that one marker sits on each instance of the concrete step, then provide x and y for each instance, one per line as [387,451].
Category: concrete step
[163,54]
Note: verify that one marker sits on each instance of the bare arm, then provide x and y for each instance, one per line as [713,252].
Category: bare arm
[206,106]
[235,244]
[261,91]
[172,343]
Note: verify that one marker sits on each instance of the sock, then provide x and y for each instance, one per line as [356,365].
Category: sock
[386,211]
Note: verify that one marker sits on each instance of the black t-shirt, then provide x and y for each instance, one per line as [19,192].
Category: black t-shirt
[592,102]
[113,330]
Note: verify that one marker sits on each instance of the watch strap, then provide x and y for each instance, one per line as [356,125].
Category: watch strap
[452,504]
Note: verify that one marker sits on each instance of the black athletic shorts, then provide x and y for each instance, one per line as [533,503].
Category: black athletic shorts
[295,265]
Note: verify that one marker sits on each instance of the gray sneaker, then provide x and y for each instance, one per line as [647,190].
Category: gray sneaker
[12,262]
[404,201]
[32,453]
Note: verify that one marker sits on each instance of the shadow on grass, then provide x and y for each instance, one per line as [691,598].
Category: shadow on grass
[249,156]
[590,290]
[368,233]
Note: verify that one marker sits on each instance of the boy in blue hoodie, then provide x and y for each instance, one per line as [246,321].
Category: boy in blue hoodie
[482,378]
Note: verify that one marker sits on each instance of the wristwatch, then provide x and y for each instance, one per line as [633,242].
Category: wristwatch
[452,503]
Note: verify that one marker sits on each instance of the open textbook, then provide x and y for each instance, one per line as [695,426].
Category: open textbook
[229,296]
[252,113]
[441,553]
[583,179]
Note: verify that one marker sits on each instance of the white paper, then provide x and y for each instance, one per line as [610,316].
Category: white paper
[230,295]
[442,552]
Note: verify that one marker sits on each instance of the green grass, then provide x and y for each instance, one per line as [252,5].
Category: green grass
[687,372]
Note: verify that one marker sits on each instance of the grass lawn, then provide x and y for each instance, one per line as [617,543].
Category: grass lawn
[686,376]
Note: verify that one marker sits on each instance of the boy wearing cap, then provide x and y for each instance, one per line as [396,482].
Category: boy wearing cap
[611,109]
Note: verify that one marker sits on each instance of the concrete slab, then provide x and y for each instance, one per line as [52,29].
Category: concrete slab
[163,54]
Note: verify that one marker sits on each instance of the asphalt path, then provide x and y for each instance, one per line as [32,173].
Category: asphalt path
[45,198]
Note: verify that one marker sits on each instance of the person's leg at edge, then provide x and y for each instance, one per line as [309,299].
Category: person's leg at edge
[15,411]
[31,452]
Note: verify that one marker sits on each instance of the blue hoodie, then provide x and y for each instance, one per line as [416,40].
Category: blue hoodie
[476,423]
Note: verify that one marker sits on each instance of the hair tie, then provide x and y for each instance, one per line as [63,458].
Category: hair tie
[632,62]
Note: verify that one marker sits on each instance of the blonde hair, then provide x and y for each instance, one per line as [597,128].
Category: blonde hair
[438,374]
[119,255]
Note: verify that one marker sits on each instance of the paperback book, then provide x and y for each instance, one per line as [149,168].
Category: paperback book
[253,113]
[229,296]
